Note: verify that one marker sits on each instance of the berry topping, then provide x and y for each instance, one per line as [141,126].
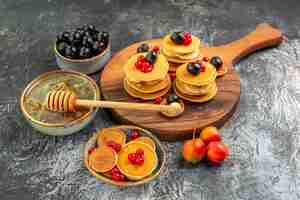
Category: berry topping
[151,57]
[195,68]
[177,37]
[139,152]
[172,98]
[156,49]
[158,100]
[143,48]
[216,61]
[134,133]
[115,146]
[136,158]
[118,177]
[81,43]
[143,64]
[115,170]
[187,38]
[184,38]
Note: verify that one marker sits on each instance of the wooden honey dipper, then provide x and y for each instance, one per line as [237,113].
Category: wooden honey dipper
[65,101]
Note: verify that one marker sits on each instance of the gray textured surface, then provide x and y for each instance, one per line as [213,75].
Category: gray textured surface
[263,134]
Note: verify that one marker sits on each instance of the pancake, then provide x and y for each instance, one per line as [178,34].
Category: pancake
[149,88]
[198,99]
[189,56]
[193,90]
[160,69]
[180,49]
[203,78]
[145,96]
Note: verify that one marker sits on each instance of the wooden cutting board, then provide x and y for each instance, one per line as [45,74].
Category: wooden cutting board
[215,112]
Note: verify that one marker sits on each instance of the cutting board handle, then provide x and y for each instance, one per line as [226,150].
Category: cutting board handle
[263,36]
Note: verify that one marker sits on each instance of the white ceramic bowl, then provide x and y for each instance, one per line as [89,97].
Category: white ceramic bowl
[86,66]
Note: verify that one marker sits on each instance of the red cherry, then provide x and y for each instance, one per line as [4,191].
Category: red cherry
[206,59]
[187,41]
[158,100]
[156,49]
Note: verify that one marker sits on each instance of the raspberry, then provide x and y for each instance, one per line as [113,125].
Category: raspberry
[156,49]
[115,170]
[115,146]
[139,152]
[158,100]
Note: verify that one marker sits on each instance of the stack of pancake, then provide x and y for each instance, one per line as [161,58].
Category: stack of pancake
[179,53]
[150,85]
[196,88]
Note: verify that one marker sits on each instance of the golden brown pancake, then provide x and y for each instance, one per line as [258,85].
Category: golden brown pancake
[193,90]
[198,99]
[203,78]
[179,49]
[160,69]
[143,87]
[145,96]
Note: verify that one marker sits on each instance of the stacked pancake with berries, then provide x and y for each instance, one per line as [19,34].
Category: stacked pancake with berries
[181,47]
[146,74]
[195,81]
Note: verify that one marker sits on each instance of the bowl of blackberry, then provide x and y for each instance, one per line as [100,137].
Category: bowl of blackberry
[84,49]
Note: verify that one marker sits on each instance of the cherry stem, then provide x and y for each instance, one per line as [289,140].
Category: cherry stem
[194,133]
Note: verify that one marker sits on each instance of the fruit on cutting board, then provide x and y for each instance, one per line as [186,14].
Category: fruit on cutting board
[194,150]
[210,134]
[217,152]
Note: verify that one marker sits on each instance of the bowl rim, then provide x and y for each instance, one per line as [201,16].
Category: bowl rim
[126,183]
[43,76]
[82,60]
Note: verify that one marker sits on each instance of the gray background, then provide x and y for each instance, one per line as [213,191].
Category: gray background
[263,133]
